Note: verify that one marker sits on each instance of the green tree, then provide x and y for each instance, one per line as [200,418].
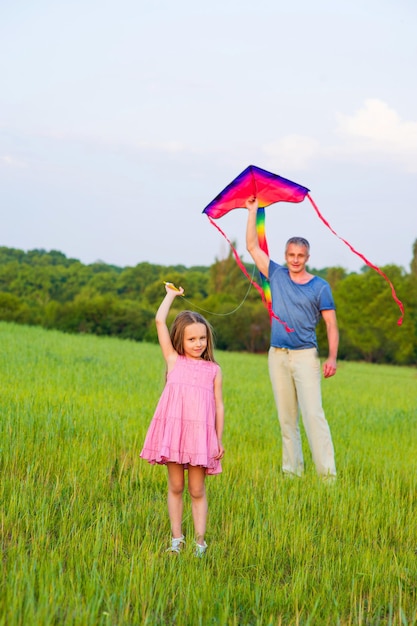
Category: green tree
[101,315]
[47,288]
[132,281]
[14,309]
[413,264]
[368,316]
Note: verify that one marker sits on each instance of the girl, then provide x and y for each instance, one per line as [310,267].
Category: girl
[186,430]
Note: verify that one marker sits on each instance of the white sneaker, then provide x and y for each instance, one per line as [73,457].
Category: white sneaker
[176,545]
[200,550]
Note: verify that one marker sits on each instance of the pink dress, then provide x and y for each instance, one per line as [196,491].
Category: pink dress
[182,429]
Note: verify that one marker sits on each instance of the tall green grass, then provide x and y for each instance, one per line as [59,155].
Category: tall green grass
[84,524]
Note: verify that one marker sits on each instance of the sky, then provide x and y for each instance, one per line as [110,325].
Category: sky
[120,121]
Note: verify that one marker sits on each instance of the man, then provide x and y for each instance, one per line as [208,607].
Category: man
[298,299]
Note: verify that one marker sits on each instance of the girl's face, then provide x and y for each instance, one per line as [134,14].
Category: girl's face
[195,340]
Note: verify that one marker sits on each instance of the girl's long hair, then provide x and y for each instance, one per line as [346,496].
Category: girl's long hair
[183,319]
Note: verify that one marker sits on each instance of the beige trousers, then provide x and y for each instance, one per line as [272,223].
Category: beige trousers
[296,383]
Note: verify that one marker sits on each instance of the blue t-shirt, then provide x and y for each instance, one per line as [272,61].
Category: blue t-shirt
[299,306]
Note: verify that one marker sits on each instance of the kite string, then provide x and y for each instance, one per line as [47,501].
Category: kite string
[261,291]
[374,267]
[229,312]
[238,260]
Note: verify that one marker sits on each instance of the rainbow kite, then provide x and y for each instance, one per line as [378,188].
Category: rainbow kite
[269,188]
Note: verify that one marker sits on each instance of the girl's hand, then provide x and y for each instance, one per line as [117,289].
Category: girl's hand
[220,454]
[170,287]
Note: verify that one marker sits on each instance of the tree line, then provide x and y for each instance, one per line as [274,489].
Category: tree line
[48,289]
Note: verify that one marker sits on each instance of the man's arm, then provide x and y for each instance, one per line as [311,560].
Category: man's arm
[261,259]
[329,366]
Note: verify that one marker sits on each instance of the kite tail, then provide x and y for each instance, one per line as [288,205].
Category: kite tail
[374,267]
[262,292]
[260,229]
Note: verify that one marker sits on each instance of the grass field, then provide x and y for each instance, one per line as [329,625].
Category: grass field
[84,523]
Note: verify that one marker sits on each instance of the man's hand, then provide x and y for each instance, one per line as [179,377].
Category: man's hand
[252,203]
[329,368]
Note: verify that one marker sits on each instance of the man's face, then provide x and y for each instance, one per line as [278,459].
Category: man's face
[296,258]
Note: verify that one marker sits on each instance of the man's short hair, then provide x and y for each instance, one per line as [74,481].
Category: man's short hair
[298,241]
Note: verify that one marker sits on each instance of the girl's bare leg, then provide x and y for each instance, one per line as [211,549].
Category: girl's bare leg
[175,503]
[197,489]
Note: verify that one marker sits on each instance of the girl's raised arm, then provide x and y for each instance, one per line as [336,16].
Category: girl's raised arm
[161,320]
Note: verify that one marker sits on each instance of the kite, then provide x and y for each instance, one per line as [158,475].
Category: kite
[269,188]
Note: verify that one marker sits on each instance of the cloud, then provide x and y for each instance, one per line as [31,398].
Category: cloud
[378,131]
[293,152]
[7,160]
[375,131]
